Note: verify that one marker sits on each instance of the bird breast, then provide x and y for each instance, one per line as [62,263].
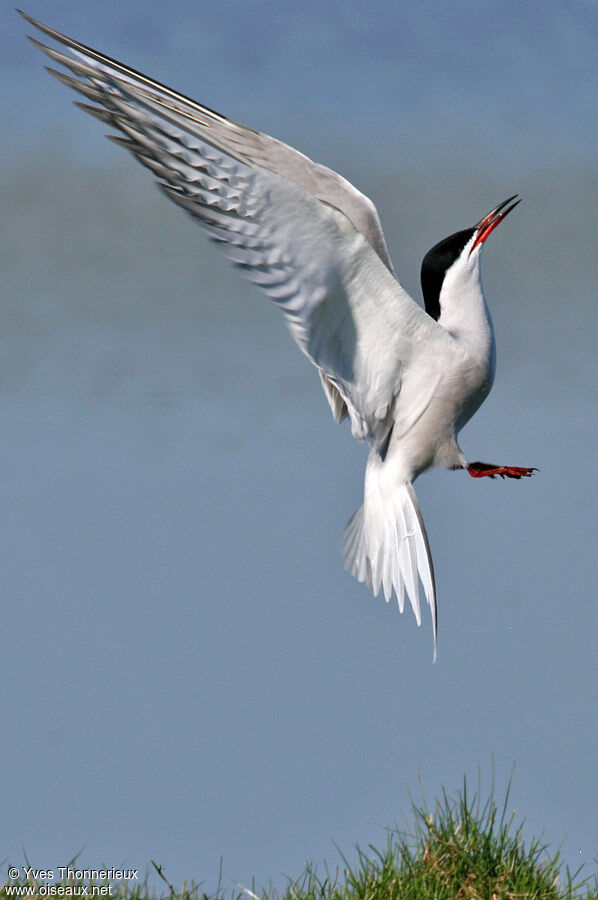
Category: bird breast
[438,396]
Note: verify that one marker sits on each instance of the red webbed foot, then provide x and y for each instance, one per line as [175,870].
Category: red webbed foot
[480,469]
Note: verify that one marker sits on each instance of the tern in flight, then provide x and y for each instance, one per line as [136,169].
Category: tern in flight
[407,378]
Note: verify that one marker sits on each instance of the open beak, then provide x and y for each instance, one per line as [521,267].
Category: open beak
[487,225]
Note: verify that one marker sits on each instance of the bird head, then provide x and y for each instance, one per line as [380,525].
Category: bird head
[459,254]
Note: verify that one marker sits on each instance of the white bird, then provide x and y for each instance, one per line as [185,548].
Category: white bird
[408,379]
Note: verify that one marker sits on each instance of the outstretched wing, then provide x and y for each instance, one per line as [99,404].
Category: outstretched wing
[302,233]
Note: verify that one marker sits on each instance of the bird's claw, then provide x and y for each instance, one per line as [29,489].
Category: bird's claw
[480,469]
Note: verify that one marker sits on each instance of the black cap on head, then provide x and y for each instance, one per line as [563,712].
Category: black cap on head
[435,264]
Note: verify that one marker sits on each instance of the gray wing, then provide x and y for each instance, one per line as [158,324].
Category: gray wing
[254,146]
[299,231]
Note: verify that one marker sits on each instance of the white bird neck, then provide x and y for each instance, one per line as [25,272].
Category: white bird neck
[464,311]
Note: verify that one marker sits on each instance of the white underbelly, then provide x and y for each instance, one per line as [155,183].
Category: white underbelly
[433,406]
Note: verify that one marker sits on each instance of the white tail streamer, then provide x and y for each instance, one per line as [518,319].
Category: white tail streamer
[385,545]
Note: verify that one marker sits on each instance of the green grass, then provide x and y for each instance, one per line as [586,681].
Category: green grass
[463,848]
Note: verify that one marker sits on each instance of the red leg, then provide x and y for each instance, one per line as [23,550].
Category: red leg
[479,469]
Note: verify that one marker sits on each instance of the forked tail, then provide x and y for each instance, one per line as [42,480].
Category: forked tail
[385,544]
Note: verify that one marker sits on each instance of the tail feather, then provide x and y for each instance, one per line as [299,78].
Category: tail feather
[352,543]
[387,566]
[408,558]
[385,544]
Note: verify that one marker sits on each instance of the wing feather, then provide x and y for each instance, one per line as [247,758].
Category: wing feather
[299,231]
[255,146]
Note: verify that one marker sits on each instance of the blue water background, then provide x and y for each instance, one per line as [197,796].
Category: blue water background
[187,672]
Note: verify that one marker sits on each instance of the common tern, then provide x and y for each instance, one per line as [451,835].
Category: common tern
[408,379]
